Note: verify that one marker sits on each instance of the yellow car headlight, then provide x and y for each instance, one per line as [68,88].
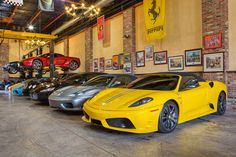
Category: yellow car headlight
[141,102]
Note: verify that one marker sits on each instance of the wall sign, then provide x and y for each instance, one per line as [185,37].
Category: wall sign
[101,27]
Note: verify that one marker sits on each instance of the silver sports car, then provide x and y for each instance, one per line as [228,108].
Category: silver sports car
[72,98]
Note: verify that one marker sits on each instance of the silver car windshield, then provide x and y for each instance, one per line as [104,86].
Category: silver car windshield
[99,81]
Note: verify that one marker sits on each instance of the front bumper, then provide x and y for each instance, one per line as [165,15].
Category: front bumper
[143,121]
[41,96]
[67,104]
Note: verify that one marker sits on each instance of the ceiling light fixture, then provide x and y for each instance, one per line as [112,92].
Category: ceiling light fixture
[31,27]
[75,10]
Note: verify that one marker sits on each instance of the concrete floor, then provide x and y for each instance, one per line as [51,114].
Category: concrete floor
[28,129]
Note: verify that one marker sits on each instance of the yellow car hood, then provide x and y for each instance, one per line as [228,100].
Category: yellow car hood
[120,98]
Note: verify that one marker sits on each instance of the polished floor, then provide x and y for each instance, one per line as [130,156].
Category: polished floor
[29,129]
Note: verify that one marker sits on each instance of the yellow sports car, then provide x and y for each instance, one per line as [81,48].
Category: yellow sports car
[156,102]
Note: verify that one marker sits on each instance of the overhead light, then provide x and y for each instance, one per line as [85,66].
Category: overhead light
[31,27]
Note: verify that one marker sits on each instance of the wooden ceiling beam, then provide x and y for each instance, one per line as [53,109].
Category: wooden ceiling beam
[35,16]
[12,14]
[53,21]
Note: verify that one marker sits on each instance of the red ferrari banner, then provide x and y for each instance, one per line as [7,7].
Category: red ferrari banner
[101,27]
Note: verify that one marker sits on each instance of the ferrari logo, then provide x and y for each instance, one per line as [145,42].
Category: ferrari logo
[152,11]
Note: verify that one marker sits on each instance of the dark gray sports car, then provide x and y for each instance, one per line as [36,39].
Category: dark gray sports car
[72,98]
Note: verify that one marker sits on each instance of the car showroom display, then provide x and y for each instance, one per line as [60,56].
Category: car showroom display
[42,91]
[156,102]
[72,98]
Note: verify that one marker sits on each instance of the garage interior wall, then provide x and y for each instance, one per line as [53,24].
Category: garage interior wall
[114,45]
[184,31]
[232,35]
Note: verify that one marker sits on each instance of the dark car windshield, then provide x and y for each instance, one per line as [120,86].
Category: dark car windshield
[99,81]
[155,83]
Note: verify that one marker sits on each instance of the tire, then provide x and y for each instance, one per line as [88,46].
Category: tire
[12,70]
[37,65]
[221,104]
[74,65]
[168,119]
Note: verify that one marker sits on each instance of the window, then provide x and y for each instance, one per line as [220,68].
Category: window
[99,81]
[184,80]
[156,83]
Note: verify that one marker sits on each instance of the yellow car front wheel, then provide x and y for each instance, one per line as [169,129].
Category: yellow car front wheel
[221,105]
[168,119]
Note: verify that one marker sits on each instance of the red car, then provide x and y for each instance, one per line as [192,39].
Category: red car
[64,62]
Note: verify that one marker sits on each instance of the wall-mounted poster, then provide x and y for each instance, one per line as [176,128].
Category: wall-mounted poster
[160,57]
[213,41]
[214,62]
[140,59]
[149,52]
[102,64]
[101,27]
[121,60]
[176,63]
[108,64]
[127,58]
[115,62]
[95,65]
[127,68]
[193,57]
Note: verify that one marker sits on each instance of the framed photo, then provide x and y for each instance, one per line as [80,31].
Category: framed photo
[127,58]
[121,60]
[127,68]
[160,57]
[95,65]
[115,62]
[214,62]
[102,64]
[108,64]
[140,59]
[149,52]
[213,41]
[193,57]
[176,63]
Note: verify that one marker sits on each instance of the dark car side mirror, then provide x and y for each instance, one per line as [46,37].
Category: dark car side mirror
[116,83]
[193,83]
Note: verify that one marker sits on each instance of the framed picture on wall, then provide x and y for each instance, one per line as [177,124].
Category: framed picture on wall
[127,58]
[193,57]
[115,62]
[149,52]
[213,41]
[95,65]
[176,63]
[108,64]
[140,59]
[102,64]
[121,60]
[160,57]
[214,62]
[127,68]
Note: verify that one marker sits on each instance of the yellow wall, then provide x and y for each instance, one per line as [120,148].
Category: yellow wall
[59,47]
[232,35]
[184,31]
[116,41]
[77,48]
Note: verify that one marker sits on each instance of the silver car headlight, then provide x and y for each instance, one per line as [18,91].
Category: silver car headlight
[48,89]
[141,102]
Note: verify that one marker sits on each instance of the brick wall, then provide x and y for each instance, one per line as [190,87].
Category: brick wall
[214,21]
[4,57]
[129,34]
[89,49]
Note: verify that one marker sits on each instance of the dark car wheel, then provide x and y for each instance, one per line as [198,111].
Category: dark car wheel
[37,65]
[221,104]
[168,119]
[73,65]
[12,70]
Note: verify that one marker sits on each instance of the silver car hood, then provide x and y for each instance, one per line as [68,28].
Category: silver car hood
[82,90]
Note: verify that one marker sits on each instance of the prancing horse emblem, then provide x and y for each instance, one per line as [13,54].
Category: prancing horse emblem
[153,11]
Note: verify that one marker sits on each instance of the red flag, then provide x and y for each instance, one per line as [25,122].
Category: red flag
[101,27]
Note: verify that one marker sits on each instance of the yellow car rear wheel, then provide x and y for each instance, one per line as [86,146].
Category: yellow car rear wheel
[168,119]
